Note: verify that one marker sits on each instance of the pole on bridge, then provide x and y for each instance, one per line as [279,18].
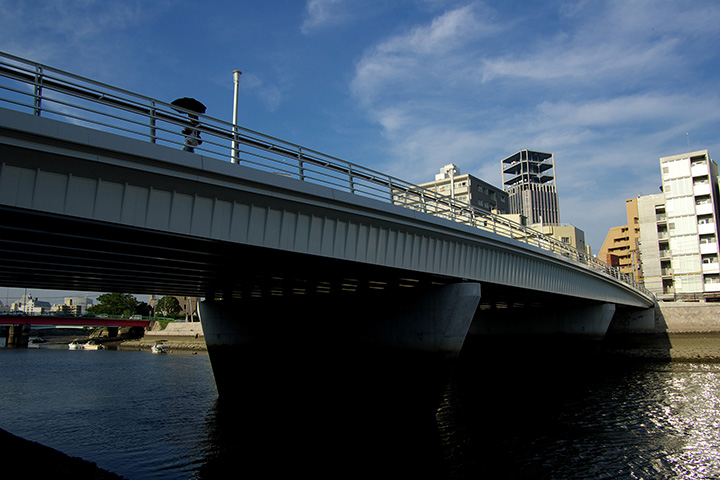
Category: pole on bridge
[236,81]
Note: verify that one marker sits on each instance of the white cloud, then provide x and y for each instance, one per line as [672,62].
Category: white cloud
[605,59]
[421,58]
[270,95]
[606,89]
[82,36]
[324,13]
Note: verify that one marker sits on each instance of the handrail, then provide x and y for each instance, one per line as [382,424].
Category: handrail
[67,97]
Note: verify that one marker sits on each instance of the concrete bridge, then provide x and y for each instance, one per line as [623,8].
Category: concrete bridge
[318,275]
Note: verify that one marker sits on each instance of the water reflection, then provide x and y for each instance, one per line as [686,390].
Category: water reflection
[148,417]
[282,440]
[621,421]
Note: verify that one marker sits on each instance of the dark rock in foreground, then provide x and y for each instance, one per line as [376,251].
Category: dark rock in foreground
[28,460]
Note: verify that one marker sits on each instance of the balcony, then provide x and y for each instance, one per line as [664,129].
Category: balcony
[699,169]
[702,189]
[706,228]
[711,268]
[704,208]
[708,248]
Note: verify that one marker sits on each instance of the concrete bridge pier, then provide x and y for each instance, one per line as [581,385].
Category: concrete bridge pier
[18,336]
[386,352]
[557,332]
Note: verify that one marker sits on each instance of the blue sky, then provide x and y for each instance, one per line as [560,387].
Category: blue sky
[407,86]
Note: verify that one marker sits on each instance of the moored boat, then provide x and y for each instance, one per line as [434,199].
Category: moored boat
[157,348]
[75,345]
[92,345]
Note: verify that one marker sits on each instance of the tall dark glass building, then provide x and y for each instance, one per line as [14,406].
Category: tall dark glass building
[529,180]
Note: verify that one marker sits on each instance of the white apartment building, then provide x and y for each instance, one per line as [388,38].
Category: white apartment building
[686,254]
[31,305]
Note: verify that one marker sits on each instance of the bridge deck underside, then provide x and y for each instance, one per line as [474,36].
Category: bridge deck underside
[40,250]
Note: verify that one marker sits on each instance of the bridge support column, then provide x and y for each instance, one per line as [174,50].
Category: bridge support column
[591,321]
[558,332]
[379,352]
[18,336]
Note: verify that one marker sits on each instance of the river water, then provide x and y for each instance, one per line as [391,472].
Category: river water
[148,416]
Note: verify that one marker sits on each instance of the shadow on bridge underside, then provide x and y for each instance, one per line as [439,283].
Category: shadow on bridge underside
[46,251]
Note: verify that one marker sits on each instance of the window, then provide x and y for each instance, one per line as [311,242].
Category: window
[676,168]
[684,244]
[681,206]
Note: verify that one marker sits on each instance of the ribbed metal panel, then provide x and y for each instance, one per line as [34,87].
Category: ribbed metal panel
[266,210]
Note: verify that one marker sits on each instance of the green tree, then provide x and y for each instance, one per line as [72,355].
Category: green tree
[143,309]
[115,304]
[168,307]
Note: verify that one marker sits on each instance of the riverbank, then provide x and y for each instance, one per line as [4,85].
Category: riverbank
[667,347]
[175,336]
[677,347]
[30,460]
[172,342]
[672,332]
[671,347]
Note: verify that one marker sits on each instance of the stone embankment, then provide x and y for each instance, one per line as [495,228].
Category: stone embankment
[176,336]
[679,331]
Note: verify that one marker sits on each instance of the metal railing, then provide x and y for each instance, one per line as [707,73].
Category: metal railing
[53,93]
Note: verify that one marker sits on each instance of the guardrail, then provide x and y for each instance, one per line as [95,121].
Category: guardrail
[53,93]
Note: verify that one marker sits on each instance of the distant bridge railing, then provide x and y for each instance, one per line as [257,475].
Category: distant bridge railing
[53,93]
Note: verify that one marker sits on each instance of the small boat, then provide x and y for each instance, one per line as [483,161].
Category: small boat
[75,345]
[91,345]
[157,348]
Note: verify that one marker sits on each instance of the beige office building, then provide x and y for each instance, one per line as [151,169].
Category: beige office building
[461,187]
[565,233]
[620,248]
[655,258]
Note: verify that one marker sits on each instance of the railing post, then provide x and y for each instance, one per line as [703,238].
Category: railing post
[301,164]
[351,179]
[234,153]
[153,122]
[38,90]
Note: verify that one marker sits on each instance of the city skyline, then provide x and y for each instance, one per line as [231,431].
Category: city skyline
[8,295]
[406,87]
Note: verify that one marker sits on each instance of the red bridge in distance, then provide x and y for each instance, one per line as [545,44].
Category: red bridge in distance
[67,321]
